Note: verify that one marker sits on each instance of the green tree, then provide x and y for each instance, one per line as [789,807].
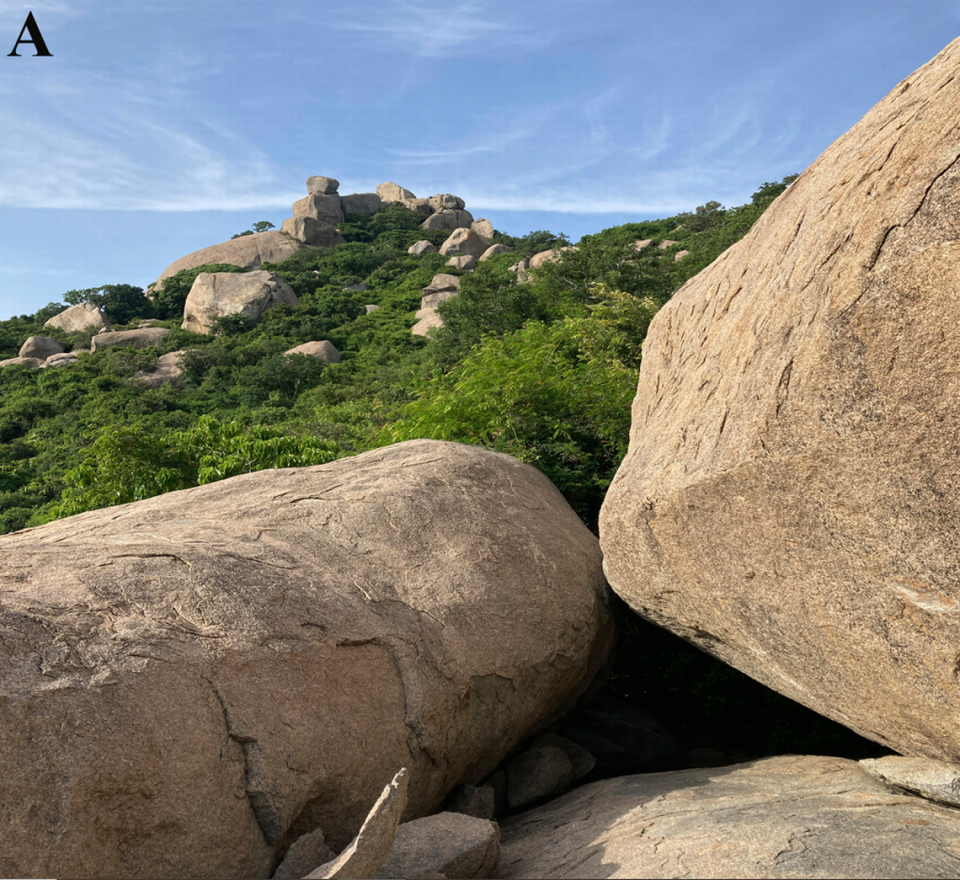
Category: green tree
[121,302]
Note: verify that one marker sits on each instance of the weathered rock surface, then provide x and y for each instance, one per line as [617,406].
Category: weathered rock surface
[446,202]
[392,192]
[324,350]
[448,844]
[166,371]
[216,294]
[794,816]
[40,347]
[84,316]
[374,841]
[936,780]
[422,247]
[247,251]
[483,228]
[144,338]
[790,497]
[193,681]
[361,203]
[320,206]
[306,855]
[462,243]
[323,185]
[315,233]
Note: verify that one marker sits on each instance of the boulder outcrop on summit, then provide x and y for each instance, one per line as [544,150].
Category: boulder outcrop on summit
[193,681]
[790,497]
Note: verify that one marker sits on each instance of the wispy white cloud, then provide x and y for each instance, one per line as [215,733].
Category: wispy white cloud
[437,29]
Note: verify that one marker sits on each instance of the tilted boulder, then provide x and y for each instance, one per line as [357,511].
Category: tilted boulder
[320,206]
[145,338]
[790,498]
[40,347]
[315,233]
[247,251]
[322,185]
[218,294]
[462,243]
[792,816]
[84,316]
[392,192]
[324,350]
[211,673]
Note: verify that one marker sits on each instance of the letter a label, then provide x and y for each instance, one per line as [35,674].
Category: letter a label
[35,37]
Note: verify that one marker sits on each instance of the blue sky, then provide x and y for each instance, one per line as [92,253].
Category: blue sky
[160,128]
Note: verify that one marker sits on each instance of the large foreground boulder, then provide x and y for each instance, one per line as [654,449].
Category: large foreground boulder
[247,251]
[218,294]
[790,498]
[193,681]
[793,816]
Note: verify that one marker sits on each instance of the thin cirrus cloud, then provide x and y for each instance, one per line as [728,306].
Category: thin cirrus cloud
[437,29]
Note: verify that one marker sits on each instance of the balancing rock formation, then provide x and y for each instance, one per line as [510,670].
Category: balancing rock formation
[790,498]
[192,682]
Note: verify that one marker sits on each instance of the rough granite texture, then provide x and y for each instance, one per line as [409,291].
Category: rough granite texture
[790,498]
[793,816]
[190,682]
